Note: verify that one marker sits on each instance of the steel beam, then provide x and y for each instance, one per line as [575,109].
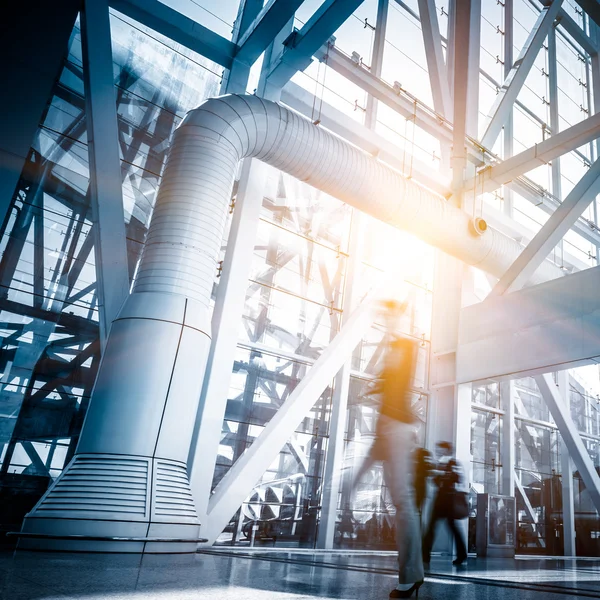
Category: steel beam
[235,79]
[552,232]
[592,8]
[534,330]
[438,76]
[522,66]
[493,177]
[346,127]
[301,45]
[247,470]
[35,41]
[570,436]
[105,167]
[396,98]
[267,24]
[179,28]
[572,28]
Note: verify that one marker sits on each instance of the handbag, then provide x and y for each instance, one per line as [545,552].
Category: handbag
[460,505]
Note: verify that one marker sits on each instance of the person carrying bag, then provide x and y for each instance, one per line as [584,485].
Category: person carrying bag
[450,504]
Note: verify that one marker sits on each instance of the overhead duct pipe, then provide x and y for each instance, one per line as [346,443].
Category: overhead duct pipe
[128,479]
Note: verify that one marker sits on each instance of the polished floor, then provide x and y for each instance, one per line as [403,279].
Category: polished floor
[274,575]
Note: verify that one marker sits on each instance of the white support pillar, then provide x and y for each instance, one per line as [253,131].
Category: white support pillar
[333,475]
[566,468]
[507,447]
[105,166]
[449,413]
[229,303]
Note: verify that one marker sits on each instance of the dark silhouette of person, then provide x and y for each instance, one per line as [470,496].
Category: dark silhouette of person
[446,477]
[423,467]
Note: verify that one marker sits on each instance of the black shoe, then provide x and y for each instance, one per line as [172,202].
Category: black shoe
[395,593]
[459,562]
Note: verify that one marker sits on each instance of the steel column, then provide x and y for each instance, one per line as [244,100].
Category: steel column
[105,167]
[436,65]
[377,59]
[333,477]
[507,446]
[508,127]
[566,472]
[235,79]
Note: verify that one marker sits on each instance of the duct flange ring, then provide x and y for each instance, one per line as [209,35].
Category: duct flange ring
[478,226]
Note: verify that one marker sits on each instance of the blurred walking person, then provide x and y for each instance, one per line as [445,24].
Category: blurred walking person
[395,442]
[449,505]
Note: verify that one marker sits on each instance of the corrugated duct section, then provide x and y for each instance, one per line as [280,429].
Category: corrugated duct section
[187,226]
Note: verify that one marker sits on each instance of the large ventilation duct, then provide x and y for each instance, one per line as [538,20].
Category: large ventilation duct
[128,479]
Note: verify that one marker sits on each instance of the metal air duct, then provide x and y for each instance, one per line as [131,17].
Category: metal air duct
[128,478]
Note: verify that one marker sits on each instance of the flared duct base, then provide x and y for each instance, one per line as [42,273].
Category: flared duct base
[138,499]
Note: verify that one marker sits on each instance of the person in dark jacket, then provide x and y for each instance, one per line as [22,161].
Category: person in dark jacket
[423,467]
[446,477]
